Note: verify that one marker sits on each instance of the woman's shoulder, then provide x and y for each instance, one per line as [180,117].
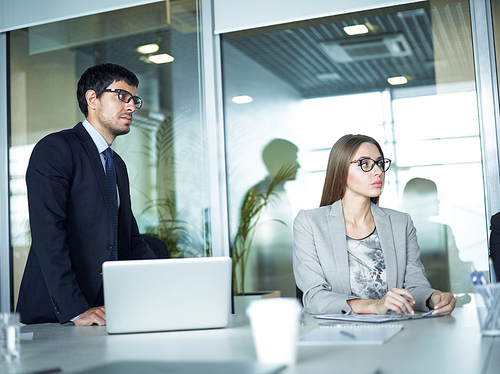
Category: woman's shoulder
[309,219]
[317,214]
[393,213]
[322,210]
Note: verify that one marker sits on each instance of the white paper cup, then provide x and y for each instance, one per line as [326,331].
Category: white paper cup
[275,329]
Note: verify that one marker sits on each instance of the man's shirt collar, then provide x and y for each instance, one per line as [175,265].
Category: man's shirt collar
[98,139]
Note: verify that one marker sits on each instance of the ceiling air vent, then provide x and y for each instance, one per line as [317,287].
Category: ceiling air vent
[368,48]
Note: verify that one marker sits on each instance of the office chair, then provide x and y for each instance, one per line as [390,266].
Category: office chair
[157,245]
[299,294]
[495,243]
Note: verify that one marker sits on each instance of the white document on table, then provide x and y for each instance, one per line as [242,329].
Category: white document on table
[376,318]
[350,334]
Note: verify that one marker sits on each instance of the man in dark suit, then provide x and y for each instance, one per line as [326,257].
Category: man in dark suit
[77,222]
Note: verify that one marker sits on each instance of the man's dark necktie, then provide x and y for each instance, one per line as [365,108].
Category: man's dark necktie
[113,199]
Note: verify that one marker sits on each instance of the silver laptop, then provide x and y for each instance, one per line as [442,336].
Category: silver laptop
[163,295]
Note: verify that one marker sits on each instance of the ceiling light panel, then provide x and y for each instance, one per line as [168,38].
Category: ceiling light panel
[243,99]
[356,29]
[395,81]
[162,58]
[148,48]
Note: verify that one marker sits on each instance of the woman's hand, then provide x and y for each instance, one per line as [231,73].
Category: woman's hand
[398,300]
[442,302]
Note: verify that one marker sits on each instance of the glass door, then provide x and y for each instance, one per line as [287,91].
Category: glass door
[165,151]
[403,75]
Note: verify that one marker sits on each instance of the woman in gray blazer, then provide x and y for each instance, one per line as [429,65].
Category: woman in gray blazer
[350,255]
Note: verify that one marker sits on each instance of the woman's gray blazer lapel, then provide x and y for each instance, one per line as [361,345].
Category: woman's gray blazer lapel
[336,227]
[384,231]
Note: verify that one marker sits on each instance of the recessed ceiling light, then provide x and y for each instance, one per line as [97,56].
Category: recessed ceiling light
[394,81]
[356,29]
[162,58]
[148,48]
[243,99]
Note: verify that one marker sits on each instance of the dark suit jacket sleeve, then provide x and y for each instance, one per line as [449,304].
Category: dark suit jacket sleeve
[495,243]
[48,179]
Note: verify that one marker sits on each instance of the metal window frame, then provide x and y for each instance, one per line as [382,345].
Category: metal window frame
[6,296]
[487,95]
[212,116]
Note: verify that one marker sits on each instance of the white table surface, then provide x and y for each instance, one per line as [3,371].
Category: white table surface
[439,345]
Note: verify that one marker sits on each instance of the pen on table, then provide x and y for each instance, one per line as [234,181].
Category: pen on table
[336,324]
[492,271]
[410,300]
[46,371]
[347,334]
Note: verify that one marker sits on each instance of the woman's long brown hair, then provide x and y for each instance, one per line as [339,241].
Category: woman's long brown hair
[338,166]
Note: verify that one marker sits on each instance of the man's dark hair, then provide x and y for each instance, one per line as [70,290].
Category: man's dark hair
[98,78]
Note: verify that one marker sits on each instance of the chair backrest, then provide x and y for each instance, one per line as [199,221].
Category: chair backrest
[157,245]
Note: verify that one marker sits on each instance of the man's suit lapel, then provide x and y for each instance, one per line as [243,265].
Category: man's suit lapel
[95,160]
[336,227]
[384,231]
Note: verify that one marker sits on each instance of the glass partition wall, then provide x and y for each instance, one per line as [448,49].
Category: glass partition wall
[290,91]
[403,75]
[165,149]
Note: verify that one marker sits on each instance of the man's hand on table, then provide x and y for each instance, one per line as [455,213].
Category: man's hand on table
[93,316]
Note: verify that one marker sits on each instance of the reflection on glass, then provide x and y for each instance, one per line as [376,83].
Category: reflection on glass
[263,239]
[311,83]
[439,253]
[165,150]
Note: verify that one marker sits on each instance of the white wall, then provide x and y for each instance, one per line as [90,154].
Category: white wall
[16,14]
[233,15]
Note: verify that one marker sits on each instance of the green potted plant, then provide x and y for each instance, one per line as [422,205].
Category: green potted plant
[174,226]
[251,208]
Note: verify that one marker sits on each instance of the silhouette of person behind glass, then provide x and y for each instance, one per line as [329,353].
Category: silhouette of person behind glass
[439,253]
[270,262]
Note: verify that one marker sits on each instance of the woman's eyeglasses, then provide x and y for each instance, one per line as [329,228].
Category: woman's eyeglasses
[126,96]
[367,164]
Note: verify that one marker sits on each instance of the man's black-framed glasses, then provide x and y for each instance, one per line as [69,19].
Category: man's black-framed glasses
[126,96]
[367,164]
